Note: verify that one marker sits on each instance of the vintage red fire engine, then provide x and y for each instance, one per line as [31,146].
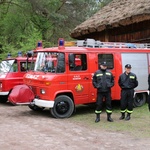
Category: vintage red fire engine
[12,71]
[62,76]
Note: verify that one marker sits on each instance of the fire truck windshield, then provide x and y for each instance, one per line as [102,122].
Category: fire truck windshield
[6,66]
[50,62]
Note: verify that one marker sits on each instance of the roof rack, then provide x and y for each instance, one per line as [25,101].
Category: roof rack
[94,43]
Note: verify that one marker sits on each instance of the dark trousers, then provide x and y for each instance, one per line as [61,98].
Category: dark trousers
[99,102]
[127,100]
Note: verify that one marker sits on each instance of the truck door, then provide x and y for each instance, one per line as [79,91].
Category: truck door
[78,77]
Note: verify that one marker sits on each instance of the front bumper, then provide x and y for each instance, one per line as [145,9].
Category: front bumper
[43,103]
[4,93]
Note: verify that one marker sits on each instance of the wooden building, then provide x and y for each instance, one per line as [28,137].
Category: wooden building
[119,21]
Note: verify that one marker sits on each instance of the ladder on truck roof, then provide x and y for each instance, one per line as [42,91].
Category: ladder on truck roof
[98,44]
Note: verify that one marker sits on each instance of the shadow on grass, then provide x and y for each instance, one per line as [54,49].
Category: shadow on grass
[79,110]
[87,109]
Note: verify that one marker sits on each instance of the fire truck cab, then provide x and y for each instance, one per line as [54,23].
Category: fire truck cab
[11,74]
[62,76]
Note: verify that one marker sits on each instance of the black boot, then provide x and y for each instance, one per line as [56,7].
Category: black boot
[109,117]
[122,116]
[127,117]
[97,118]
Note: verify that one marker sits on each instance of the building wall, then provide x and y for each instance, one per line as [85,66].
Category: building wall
[137,32]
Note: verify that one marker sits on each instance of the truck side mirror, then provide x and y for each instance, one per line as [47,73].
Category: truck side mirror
[29,54]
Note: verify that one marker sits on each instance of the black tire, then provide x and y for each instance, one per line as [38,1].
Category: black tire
[139,99]
[3,99]
[35,108]
[63,107]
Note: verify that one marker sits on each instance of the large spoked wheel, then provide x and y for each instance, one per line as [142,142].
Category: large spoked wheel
[3,99]
[63,107]
[139,100]
[35,108]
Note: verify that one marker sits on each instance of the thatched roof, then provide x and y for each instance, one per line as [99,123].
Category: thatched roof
[115,14]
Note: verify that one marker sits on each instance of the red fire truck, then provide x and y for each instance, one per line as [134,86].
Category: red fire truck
[11,74]
[62,76]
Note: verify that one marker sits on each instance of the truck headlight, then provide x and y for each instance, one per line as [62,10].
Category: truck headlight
[1,85]
[42,91]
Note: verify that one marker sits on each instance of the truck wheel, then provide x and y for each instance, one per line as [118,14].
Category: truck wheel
[3,99]
[63,107]
[139,100]
[35,108]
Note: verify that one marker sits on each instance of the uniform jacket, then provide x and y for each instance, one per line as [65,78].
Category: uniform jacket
[103,80]
[128,81]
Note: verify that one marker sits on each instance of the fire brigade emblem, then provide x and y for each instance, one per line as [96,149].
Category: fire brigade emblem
[79,88]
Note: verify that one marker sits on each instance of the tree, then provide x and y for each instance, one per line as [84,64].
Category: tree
[58,17]
[24,22]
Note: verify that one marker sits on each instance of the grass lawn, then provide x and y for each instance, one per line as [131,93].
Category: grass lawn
[138,126]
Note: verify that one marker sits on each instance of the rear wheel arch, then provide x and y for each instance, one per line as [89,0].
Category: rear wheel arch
[140,99]
[4,98]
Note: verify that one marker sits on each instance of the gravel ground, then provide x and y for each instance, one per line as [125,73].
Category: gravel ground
[24,129]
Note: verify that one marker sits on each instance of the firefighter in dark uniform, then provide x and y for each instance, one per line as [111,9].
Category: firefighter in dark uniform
[103,80]
[127,81]
[149,92]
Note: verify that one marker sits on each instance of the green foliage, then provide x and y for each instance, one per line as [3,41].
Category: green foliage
[24,22]
[103,3]
[31,40]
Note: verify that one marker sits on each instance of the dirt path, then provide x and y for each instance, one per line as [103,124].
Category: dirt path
[23,129]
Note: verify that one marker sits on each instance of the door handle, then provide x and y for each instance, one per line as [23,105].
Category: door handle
[85,78]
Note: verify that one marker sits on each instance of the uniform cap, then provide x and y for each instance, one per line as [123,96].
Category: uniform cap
[127,66]
[103,63]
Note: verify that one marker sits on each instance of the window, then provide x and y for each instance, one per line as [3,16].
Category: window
[77,62]
[23,66]
[8,65]
[108,58]
[15,67]
[53,62]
